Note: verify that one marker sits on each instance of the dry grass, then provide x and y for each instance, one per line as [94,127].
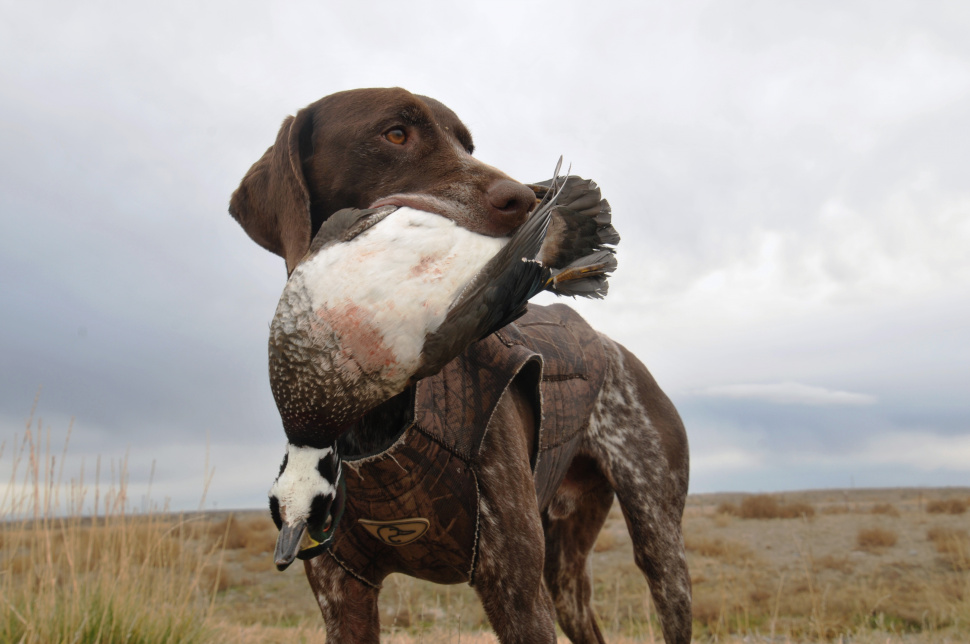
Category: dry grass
[876,538]
[835,509]
[754,580]
[450,637]
[887,509]
[718,548]
[766,506]
[255,534]
[941,536]
[110,576]
[838,563]
[810,579]
[946,506]
[953,544]
[727,509]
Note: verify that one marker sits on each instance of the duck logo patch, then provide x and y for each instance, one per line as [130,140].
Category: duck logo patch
[396,533]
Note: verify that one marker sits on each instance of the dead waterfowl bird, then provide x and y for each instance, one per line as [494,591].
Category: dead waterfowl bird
[387,296]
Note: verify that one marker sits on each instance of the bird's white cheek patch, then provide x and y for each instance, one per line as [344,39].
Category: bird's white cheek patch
[301,481]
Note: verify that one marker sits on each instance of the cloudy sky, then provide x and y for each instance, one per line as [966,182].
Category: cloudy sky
[790,180]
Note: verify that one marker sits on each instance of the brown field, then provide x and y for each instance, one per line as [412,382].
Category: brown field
[888,565]
[873,564]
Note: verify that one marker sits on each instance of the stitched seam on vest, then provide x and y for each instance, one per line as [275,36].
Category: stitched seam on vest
[542,414]
[507,341]
[451,449]
[478,527]
[351,572]
[560,377]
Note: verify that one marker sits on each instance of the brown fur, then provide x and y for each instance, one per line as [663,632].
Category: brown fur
[334,154]
[532,561]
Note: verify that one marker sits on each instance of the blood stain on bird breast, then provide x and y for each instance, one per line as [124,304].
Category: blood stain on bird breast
[430,268]
[358,336]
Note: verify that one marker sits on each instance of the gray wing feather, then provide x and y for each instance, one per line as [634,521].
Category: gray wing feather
[344,225]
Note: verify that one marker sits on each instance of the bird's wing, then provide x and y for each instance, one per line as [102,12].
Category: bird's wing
[497,295]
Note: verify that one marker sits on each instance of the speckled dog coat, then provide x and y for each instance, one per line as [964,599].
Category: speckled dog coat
[414,508]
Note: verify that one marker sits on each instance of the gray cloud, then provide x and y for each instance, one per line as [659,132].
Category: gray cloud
[789,184]
[789,393]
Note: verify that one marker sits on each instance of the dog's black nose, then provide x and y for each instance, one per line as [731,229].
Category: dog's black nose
[509,203]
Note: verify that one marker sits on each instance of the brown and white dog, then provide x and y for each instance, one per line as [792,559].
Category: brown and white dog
[373,147]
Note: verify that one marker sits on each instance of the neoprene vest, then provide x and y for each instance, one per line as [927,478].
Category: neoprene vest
[414,508]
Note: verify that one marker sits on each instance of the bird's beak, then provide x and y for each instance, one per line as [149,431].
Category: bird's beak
[292,539]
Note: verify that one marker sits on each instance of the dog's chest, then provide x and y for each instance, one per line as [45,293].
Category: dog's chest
[414,508]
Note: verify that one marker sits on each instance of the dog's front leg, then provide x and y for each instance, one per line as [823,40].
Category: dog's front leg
[349,606]
[508,576]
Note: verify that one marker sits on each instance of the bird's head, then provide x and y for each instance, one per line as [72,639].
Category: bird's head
[306,501]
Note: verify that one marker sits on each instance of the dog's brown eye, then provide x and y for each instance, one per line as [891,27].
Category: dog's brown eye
[396,136]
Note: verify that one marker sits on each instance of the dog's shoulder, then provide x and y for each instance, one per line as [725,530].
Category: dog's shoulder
[570,348]
[574,365]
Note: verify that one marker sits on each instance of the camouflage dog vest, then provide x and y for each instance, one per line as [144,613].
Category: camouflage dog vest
[414,507]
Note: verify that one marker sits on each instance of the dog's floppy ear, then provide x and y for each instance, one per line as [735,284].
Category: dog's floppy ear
[272,203]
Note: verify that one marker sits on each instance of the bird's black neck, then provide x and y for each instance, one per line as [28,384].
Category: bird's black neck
[379,428]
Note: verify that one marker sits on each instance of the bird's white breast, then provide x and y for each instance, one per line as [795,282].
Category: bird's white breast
[385,290]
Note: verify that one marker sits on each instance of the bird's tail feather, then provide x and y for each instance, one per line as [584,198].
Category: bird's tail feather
[585,277]
[578,248]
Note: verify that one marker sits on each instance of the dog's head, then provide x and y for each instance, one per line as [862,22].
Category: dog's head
[366,148]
